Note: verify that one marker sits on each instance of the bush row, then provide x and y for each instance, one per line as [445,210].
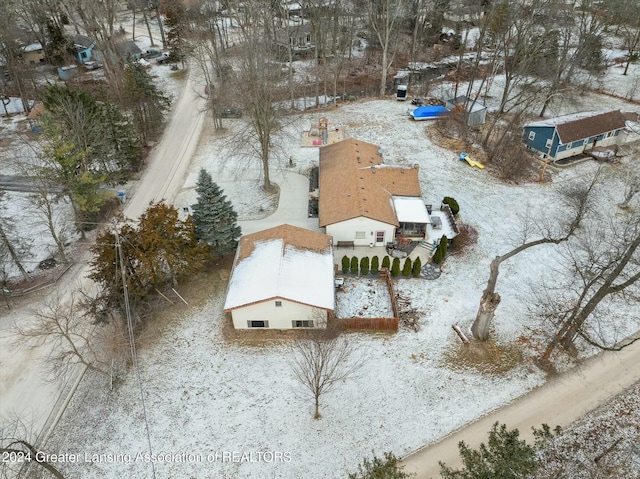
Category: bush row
[365,266]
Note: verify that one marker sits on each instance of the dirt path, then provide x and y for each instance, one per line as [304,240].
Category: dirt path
[559,402]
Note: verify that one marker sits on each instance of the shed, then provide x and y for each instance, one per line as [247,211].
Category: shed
[129,51]
[82,48]
[475,113]
[67,72]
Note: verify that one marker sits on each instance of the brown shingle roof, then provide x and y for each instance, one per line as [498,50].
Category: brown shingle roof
[590,126]
[353,182]
[290,235]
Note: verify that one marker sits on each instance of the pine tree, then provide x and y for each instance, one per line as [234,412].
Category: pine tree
[380,468]
[364,266]
[354,265]
[214,216]
[345,264]
[417,266]
[375,265]
[441,251]
[386,263]
[395,269]
[406,269]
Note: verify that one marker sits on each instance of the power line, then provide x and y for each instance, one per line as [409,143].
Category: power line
[134,354]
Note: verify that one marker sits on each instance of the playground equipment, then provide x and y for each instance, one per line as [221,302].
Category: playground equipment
[470,161]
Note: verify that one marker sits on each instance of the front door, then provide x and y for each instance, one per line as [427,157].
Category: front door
[379,237]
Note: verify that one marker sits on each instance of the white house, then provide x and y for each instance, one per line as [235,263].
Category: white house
[282,278]
[365,203]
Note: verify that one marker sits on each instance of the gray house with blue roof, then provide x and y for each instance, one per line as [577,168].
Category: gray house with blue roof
[571,135]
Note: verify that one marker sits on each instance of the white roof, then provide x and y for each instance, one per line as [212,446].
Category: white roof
[566,118]
[33,47]
[410,209]
[275,269]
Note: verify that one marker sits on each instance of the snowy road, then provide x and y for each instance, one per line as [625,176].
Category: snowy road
[559,402]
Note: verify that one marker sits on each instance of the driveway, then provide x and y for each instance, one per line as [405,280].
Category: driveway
[293,205]
[561,401]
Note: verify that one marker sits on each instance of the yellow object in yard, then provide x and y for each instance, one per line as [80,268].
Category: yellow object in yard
[470,161]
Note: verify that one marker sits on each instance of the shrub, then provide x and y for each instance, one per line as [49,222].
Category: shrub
[406,269]
[395,269]
[364,266]
[386,262]
[387,467]
[354,265]
[375,265]
[453,204]
[345,264]
[465,240]
[417,266]
[441,251]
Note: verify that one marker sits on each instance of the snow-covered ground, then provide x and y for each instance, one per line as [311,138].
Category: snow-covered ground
[209,398]
[363,298]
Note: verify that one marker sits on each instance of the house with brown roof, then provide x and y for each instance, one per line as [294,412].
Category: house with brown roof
[282,278]
[364,202]
[571,135]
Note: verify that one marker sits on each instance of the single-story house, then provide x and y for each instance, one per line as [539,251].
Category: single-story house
[129,51]
[571,135]
[282,278]
[365,203]
[476,113]
[83,48]
[296,36]
[33,54]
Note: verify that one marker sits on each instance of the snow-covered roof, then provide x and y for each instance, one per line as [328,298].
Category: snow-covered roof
[283,262]
[410,209]
[32,47]
[560,120]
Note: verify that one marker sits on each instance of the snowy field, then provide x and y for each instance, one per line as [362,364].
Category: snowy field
[208,397]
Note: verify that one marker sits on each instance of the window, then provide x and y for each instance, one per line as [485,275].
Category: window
[278,304]
[532,135]
[548,144]
[361,234]
[258,324]
[379,236]
[304,323]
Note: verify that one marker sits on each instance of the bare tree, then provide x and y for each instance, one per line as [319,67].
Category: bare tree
[63,328]
[13,249]
[19,451]
[631,178]
[578,204]
[322,361]
[603,265]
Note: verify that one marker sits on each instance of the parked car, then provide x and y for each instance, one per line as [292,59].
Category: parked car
[163,57]
[92,65]
[231,113]
[151,53]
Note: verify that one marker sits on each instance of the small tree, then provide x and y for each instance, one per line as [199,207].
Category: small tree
[406,269]
[354,265]
[375,265]
[323,361]
[441,251]
[364,266]
[387,467]
[453,204]
[395,269]
[345,264]
[386,263]
[417,267]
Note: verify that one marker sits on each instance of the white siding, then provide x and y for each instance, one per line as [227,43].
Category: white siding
[612,140]
[278,317]
[346,231]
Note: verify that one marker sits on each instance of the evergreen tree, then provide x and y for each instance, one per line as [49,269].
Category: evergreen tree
[441,251]
[386,263]
[395,269]
[387,467]
[354,265]
[345,264]
[177,29]
[364,266]
[417,266]
[505,456]
[406,269]
[375,265]
[214,217]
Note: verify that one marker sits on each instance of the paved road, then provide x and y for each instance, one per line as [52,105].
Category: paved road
[558,402]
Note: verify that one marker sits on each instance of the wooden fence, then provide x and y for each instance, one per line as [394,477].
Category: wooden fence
[386,324]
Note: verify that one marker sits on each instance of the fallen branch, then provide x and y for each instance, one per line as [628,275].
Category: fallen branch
[459,332]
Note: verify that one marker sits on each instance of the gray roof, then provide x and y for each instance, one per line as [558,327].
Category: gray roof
[583,125]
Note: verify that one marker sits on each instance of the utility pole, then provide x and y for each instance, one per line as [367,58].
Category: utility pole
[132,341]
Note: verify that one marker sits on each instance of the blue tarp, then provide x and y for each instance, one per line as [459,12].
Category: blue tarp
[426,112]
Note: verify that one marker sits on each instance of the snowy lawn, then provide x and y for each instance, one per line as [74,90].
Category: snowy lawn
[363,298]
